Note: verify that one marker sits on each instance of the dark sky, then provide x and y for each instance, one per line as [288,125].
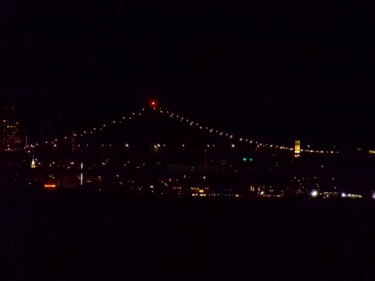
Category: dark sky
[264,69]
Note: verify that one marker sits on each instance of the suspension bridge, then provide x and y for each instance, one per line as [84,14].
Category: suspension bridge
[229,137]
[154,146]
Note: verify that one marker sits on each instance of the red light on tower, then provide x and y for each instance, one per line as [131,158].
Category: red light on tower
[153,104]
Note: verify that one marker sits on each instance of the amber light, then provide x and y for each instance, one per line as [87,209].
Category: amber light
[50,186]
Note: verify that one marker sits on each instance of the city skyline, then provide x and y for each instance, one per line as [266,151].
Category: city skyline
[58,124]
[187,139]
[148,146]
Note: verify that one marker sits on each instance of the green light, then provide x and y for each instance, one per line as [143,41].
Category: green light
[244,159]
[251,159]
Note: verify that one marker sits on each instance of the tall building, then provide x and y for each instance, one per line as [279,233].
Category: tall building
[10,139]
[297,148]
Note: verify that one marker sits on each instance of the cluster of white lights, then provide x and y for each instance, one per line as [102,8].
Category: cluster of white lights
[314,193]
[348,195]
[232,137]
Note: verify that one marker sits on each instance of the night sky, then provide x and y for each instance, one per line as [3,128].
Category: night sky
[271,71]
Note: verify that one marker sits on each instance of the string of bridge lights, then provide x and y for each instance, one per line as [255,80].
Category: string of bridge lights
[182,119]
[91,131]
[230,136]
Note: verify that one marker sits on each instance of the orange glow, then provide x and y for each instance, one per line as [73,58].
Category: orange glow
[50,186]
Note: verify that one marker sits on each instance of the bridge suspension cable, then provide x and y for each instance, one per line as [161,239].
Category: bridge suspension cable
[182,119]
[90,131]
[231,136]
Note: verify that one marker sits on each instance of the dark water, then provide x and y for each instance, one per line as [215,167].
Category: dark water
[77,236]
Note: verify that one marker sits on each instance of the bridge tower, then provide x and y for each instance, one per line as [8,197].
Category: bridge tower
[153,140]
[73,139]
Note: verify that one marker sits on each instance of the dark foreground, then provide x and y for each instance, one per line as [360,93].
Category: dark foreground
[78,236]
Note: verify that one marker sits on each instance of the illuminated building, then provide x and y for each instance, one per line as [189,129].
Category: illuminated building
[297,148]
[33,164]
[9,130]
